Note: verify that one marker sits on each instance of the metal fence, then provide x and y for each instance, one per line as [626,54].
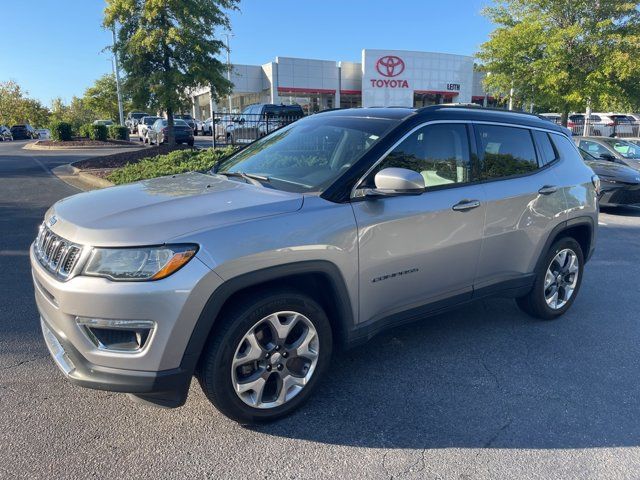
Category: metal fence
[623,128]
[240,129]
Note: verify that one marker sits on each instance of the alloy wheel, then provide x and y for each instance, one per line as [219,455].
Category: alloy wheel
[275,360]
[561,278]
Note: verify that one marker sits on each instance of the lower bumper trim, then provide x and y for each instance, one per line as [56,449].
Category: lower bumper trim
[168,388]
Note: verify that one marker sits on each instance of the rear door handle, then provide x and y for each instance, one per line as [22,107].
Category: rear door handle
[548,190]
[464,205]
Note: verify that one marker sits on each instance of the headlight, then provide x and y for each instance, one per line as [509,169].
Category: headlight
[136,264]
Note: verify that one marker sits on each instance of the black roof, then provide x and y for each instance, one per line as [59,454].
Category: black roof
[451,112]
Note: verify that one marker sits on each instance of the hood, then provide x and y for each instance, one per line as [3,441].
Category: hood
[614,171]
[154,211]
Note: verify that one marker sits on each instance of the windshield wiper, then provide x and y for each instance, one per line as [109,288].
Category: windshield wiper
[249,177]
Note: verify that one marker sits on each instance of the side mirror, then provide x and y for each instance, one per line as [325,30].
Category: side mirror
[607,156]
[392,182]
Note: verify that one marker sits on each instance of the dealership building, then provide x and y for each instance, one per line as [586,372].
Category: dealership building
[383,78]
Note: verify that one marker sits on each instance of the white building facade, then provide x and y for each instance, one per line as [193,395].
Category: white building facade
[383,78]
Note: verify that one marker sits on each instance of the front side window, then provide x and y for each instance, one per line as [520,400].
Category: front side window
[439,152]
[505,152]
[310,154]
[626,149]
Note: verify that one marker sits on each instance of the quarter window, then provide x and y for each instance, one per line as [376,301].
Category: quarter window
[440,153]
[594,148]
[547,152]
[506,151]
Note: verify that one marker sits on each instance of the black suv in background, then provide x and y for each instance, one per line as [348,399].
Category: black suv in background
[23,132]
[260,119]
[189,120]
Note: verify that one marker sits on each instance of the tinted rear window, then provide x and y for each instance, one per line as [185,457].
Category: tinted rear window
[506,151]
[547,152]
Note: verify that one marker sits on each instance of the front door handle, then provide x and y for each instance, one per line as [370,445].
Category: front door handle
[464,205]
[548,190]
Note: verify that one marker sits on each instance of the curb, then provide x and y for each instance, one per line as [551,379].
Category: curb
[35,146]
[79,179]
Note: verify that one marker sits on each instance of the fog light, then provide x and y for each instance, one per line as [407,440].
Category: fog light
[117,335]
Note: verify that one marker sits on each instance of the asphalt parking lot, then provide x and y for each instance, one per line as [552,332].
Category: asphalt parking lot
[483,392]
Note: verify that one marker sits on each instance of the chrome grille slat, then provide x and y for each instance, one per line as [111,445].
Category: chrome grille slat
[56,254]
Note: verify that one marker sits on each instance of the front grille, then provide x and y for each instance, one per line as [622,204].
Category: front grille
[56,254]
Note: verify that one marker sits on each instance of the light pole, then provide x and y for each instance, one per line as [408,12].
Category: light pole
[229,35]
[117,73]
[486,93]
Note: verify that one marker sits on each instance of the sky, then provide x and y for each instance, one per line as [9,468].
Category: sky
[55,48]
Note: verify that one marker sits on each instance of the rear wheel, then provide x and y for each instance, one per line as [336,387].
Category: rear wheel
[557,282]
[266,357]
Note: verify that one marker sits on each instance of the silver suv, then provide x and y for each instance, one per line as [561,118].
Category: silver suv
[318,235]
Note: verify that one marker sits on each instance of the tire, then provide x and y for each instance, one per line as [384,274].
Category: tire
[535,303]
[253,315]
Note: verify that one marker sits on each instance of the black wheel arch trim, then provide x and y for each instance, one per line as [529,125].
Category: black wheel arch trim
[224,292]
[565,226]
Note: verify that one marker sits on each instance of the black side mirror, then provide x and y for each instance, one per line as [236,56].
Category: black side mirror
[607,156]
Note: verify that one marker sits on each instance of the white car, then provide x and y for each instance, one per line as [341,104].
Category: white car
[44,133]
[602,124]
[143,126]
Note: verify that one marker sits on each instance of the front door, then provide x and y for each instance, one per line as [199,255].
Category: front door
[419,249]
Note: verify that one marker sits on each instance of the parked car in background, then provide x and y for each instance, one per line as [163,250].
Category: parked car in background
[144,125]
[619,184]
[601,124]
[223,127]
[133,118]
[552,117]
[316,236]
[611,149]
[106,123]
[260,119]
[159,131]
[5,134]
[189,120]
[23,132]
[43,133]
[199,130]
[207,126]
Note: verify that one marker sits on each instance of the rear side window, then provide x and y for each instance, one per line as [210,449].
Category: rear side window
[547,152]
[505,152]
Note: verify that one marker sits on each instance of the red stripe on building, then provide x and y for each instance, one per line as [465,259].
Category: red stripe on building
[304,90]
[351,92]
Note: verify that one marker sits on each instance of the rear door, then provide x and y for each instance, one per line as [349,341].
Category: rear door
[421,249]
[524,199]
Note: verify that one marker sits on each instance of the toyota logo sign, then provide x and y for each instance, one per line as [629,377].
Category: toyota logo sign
[390,66]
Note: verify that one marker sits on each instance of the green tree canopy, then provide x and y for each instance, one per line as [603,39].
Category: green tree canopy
[167,47]
[16,107]
[102,98]
[560,54]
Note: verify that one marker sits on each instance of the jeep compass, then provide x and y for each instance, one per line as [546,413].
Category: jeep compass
[318,235]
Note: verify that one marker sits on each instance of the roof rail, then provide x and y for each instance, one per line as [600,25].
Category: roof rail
[474,106]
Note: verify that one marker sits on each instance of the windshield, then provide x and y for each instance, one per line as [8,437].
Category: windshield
[626,149]
[138,116]
[185,117]
[310,154]
[149,120]
[180,123]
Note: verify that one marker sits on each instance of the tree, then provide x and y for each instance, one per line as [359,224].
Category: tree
[167,47]
[16,107]
[102,98]
[77,113]
[562,54]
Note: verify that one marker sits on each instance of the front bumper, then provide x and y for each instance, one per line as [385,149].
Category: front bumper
[174,304]
[614,194]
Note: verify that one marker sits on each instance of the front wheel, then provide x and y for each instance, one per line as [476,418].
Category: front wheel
[267,355]
[557,282]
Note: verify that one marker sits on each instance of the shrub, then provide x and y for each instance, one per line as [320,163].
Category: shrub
[178,161]
[98,132]
[61,131]
[85,130]
[118,132]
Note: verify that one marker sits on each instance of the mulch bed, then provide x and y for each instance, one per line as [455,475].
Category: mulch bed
[120,159]
[83,142]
